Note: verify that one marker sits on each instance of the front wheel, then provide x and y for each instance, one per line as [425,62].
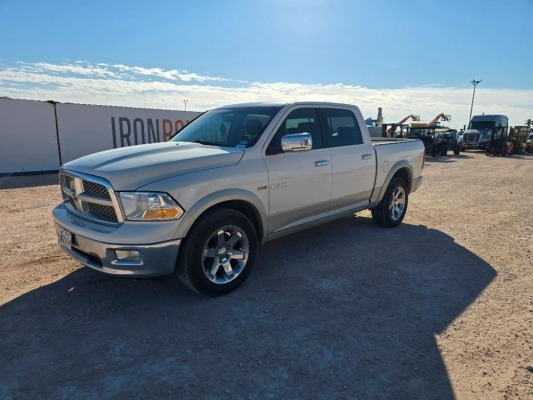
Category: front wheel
[391,210]
[218,253]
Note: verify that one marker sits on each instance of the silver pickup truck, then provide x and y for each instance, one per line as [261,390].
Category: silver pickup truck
[232,179]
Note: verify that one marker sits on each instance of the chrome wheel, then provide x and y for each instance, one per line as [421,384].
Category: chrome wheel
[397,204]
[225,254]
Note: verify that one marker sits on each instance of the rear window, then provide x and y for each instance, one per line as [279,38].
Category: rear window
[343,129]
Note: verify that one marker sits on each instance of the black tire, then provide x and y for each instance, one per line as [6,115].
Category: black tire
[383,214]
[456,150]
[434,152]
[444,150]
[205,238]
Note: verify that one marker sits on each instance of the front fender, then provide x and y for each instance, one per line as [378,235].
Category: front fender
[219,197]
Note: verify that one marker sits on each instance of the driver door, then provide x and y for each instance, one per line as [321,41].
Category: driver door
[299,182]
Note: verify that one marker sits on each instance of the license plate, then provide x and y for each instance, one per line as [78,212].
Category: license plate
[65,239]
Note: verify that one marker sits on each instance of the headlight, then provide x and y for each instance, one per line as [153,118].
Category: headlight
[149,206]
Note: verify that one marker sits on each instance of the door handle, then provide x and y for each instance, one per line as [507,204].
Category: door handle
[321,163]
[367,156]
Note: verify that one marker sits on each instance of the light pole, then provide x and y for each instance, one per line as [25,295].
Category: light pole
[185,103]
[475,83]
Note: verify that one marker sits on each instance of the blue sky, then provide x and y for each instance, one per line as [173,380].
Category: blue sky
[406,56]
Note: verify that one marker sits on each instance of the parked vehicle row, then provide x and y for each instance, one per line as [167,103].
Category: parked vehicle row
[437,142]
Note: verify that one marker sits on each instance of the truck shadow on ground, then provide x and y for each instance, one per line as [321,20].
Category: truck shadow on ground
[447,159]
[515,157]
[345,310]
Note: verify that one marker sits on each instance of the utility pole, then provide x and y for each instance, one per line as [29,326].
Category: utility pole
[185,103]
[475,83]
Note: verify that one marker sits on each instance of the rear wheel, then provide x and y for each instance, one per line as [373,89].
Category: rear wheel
[218,253]
[456,150]
[391,210]
[444,150]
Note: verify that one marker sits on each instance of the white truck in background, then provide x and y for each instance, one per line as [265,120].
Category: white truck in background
[232,179]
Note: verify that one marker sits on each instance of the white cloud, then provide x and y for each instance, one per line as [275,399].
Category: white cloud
[84,70]
[173,74]
[122,85]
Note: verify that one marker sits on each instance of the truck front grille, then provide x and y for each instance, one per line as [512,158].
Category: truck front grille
[92,197]
[99,211]
[96,189]
[471,138]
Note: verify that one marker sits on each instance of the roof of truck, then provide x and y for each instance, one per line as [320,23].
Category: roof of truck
[488,117]
[281,104]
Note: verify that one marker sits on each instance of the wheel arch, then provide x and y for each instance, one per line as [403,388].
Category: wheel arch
[403,170]
[242,201]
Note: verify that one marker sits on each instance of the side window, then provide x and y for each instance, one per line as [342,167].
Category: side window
[298,121]
[343,129]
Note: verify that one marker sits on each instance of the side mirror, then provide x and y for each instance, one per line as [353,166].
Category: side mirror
[297,142]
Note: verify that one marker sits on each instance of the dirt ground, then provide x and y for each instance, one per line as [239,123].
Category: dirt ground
[438,308]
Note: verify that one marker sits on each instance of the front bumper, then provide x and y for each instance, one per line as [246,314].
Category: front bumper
[477,145]
[154,259]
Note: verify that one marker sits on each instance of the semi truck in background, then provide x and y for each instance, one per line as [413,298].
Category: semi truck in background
[480,128]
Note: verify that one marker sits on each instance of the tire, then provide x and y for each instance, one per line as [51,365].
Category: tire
[456,150]
[218,253]
[444,150]
[391,210]
[434,152]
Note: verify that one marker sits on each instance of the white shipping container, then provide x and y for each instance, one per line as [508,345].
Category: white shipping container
[28,141]
[86,129]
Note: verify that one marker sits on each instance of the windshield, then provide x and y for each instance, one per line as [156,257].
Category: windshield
[232,127]
[481,125]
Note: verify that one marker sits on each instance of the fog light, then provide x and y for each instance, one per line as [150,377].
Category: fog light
[128,255]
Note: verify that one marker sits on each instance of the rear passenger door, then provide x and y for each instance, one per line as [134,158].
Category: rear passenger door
[353,160]
[299,182]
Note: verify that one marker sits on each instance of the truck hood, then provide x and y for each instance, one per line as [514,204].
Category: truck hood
[129,168]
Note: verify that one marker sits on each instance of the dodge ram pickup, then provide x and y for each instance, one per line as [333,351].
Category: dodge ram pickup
[235,177]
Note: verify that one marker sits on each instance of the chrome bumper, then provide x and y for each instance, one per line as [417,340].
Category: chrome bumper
[155,259]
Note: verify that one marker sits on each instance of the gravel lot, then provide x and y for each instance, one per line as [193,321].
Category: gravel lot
[438,308]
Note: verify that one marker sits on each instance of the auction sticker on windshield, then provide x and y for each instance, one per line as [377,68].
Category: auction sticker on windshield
[65,239]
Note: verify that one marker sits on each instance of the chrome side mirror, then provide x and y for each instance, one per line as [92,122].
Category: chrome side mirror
[297,142]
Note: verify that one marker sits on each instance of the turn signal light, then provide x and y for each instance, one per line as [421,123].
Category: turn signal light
[162,213]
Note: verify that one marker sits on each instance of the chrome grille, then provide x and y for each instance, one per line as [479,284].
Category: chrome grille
[92,197]
[471,137]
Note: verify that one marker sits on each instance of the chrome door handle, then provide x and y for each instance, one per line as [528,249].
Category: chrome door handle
[321,163]
[367,156]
